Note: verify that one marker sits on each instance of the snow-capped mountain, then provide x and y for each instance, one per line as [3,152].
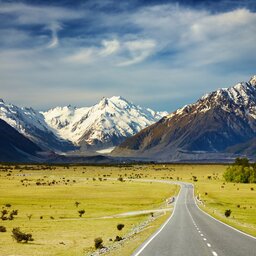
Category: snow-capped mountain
[103,125]
[32,125]
[218,122]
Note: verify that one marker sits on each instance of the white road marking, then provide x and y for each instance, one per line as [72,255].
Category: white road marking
[159,230]
[214,253]
[241,232]
[205,239]
[202,235]
[209,245]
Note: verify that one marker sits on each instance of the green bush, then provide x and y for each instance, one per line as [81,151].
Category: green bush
[81,213]
[2,229]
[20,236]
[228,213]
[241,172]
[120,226]
[98,243]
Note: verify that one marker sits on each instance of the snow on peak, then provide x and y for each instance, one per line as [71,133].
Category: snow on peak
[239,96]
[107,121]
[253,80]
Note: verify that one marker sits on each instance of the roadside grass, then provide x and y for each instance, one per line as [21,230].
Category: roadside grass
[239,198]
[49,212]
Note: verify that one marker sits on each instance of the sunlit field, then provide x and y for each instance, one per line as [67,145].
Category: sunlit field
[49,199]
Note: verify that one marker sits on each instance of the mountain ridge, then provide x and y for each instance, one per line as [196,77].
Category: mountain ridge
[62,129]
[105,124]
[216,122]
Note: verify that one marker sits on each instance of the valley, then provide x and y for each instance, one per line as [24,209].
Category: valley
[46,197]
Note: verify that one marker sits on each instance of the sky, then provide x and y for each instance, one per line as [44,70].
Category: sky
[155,53]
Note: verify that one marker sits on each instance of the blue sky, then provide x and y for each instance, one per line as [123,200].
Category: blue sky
[159,54]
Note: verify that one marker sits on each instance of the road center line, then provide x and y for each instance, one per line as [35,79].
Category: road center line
[214,253]
[209,245]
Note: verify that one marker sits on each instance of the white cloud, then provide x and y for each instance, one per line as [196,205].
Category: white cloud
[109,47]
[91,54]
[84,56]
[28,14]
[54,28]
[139,50]
[193,50]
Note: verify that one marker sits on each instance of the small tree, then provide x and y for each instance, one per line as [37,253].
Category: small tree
[120,226]
[98,243]
[227,213]
[2,229]
[81,213]
[20,236]
[77,203]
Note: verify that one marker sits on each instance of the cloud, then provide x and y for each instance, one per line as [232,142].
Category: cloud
[109,47]
[92,54]
[84,56]
[54,28]
[24,14]
[139,50]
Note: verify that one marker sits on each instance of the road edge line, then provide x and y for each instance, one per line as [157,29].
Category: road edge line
[227,225]
[149,240]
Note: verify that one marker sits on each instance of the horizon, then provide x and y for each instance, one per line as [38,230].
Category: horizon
[58,53]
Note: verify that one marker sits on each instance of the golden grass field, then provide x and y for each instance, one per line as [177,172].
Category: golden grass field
[55,223]
[57,228]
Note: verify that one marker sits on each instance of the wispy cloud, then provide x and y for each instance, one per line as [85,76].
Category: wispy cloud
[54,28]
[138,50]
[93,46]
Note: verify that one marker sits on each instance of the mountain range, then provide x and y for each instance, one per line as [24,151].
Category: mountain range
[219,125]
[69,129]
[101,126]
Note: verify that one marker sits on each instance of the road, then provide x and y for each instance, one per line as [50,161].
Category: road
[191,232]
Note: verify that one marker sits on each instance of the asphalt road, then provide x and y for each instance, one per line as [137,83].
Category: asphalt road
[191,232]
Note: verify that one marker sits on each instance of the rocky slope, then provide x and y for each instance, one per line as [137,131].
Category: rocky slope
[220,123]
[15,146]
[32,125]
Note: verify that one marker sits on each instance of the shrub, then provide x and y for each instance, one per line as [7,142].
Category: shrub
[120,226]
[77,203]
[194,178]
[20,236]
[228,213]
[2,229]
[81,213]
[118,238]
[240,174]
[98,243]
[120,179]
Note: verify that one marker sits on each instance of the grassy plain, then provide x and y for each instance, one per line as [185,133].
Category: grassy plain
[50,214]
[68,234]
